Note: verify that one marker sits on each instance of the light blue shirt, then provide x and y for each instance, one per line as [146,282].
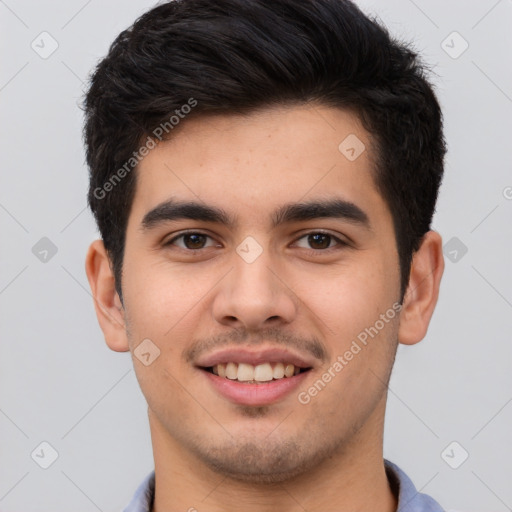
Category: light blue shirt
[409,499]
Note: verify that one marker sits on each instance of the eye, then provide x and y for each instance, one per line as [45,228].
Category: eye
[191,241]
[319,241]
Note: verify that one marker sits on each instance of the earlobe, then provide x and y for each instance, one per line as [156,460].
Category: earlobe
[423,289]
[107,303]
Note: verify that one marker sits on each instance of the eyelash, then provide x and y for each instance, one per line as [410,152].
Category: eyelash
[339,243]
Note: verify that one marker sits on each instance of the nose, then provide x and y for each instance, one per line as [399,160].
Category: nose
[254,295]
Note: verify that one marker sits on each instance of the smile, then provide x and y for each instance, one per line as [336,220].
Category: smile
[239,384]
[254,374]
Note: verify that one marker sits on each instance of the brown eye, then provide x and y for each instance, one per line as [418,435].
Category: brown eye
[194,241]
[191,241]
[319,240]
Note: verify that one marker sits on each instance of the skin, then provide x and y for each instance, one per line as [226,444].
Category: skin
[209,453]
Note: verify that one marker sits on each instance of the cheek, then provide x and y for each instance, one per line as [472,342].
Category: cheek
[359,327]
[160,300]
[162,306]
[169,398]
[348,299]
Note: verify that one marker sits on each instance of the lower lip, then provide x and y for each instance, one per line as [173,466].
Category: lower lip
[265,393]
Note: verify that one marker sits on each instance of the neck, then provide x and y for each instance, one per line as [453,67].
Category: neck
[353,479]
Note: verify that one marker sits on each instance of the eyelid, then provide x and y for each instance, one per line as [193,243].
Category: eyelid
[181,234]
[339,241]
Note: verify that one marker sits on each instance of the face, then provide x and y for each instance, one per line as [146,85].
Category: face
[254,248]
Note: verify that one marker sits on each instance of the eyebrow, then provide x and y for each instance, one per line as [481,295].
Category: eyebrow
[174,209]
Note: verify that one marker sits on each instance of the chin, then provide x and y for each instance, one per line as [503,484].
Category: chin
[264,463]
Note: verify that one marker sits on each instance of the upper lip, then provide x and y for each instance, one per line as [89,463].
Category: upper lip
[255,356]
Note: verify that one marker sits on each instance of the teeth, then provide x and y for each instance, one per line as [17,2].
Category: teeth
[279,371]
[264,372]
[231,371]
[288,370]
[245,372]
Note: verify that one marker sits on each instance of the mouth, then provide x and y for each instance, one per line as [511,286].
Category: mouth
[255,376]
[259,374]
[265,382]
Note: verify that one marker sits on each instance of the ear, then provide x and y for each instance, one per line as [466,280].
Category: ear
[107,303]
[423,289]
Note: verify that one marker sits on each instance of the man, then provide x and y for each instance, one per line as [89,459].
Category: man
[263,174]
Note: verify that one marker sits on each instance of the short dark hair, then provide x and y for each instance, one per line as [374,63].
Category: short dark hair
[238,56]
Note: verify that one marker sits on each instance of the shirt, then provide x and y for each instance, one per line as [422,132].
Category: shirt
[409,499]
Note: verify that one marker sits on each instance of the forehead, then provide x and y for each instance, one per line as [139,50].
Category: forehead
[256,162]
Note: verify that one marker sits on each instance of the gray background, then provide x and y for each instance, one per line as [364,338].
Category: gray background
[59,383]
